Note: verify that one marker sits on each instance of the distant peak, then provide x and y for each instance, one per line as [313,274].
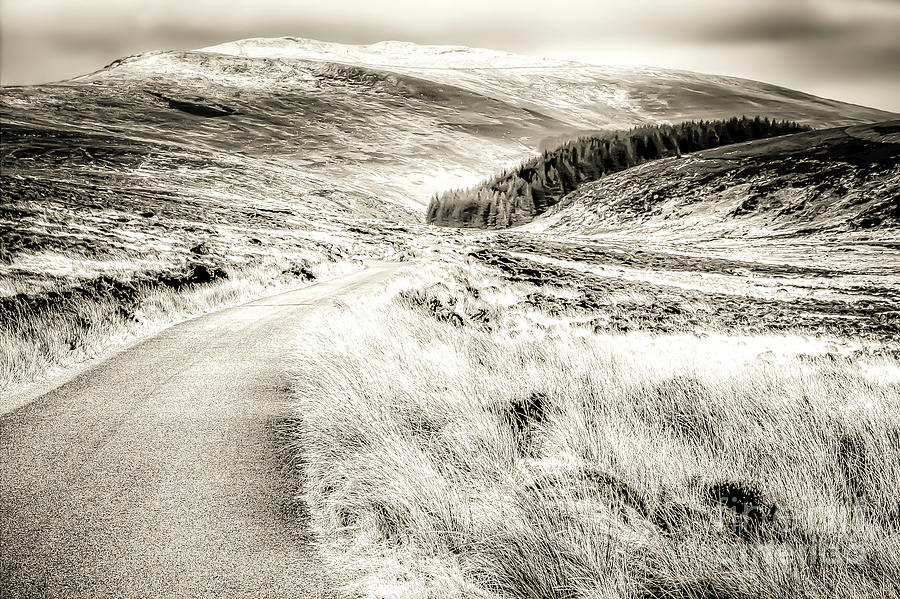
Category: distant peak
[385,53]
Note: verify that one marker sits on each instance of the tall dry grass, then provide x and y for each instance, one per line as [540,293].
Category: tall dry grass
[453,457]
[43,335]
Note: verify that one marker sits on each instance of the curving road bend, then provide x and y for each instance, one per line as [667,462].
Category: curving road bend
[159,473]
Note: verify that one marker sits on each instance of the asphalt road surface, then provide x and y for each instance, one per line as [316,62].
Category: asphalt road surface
[161,472]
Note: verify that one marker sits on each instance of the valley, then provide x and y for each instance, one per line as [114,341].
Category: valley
[561,409]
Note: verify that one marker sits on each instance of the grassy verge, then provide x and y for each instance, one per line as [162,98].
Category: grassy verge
[456,444]
[42,333]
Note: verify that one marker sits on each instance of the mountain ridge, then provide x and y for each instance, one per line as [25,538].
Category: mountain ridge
[517,196]
[389,136]
[843,180]
[400,57]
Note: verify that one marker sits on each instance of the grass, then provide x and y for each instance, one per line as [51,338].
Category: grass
[503,453]
[460,436]
[84,267]
[81,318]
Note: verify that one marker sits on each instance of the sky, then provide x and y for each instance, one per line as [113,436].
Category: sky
[843,49]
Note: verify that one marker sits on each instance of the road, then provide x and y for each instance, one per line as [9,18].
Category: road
[162,471]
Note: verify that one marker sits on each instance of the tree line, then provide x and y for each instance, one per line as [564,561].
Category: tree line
[516,196]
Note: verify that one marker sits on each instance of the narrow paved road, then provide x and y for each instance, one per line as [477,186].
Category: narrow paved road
[160,473]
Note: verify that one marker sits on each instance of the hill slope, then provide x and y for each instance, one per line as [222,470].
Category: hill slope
[359,127]
[171,169]
[836,180]
[583,96]
[517,195]
[280,143]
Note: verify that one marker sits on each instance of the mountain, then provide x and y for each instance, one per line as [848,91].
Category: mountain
[372,130]
[838,180]
[516,196]
[264,150]
[585,97]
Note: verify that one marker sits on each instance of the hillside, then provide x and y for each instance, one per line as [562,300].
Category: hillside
[843,180]
[359,130]
[680,380]
[586,97]
[263,144]
[254,161]
[516,196]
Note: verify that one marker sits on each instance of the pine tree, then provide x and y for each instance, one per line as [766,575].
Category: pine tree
[519,194]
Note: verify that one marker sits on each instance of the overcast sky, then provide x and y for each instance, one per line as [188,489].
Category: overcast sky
[843,49]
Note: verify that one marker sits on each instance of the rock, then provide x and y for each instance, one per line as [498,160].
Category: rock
[203,273]
[751,512]
[303,270]
[201,249]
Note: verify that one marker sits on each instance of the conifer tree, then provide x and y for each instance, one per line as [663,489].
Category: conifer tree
[517,195]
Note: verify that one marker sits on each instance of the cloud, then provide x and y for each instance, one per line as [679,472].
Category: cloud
[790,26]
